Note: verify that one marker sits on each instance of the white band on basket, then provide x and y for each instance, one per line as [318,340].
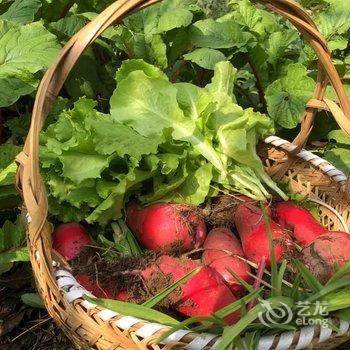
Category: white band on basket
[73,291]
[76,292]
[308,156]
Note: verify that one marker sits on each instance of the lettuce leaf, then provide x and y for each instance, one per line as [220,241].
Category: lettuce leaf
[163,142]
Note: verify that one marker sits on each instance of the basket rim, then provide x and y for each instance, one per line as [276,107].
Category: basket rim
[80,326]
[73,291]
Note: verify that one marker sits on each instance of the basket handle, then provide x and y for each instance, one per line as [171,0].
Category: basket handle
[53,80]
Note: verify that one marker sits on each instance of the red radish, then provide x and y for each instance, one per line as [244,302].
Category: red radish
[70,239]
[219,247]
[252,230]
[202,295]
[299,221]
[326,254]
[163,226]
[97,290]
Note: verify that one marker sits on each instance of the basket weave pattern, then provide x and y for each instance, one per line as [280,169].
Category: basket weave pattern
[88,327]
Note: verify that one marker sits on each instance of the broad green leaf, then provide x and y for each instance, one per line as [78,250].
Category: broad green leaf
[8,153]
[65,212]
[79,165]
[152,108]
[205,57]
[213,8]
[129,66]
[159,51]
[286,97]
[22,11]
[160,18]
[111,137]
[111,207]
[7,175]
[339,157]
[134,310]
[68,25]
[174,14]
[92,5]
[18,127]
[278,43]
[335,19]
[338,43]
[76,195]
[193,100]
[164,186]
[195,188]
[339,136]
[52,9]
[251,16]
[223,79]
[12,235]
[33,300]
[89,79]
[218,35]
[21,56]
[19,254]
[13,86]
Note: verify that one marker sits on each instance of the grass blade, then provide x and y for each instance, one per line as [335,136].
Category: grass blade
[185,324]
[229,309]
[344,314]
[340,273]
[130,238]
[232,332]
[164,293]
[295,293]
[125,241]
[345,282]
[308,277]
[274,270]
[242,282]
[134,310]
[280,276]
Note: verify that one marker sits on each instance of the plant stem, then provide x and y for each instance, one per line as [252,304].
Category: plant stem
[259,85]
[258,280]
[2,127]
[66,9]
[178,71]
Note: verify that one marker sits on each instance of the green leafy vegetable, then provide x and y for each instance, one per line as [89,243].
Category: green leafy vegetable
[12,239]
[21,56]
[286,97]
[22,11]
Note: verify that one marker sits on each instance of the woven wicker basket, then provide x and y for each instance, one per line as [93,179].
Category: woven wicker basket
[91,327]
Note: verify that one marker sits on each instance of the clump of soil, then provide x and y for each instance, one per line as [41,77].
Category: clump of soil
[220,212]
[122,274]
